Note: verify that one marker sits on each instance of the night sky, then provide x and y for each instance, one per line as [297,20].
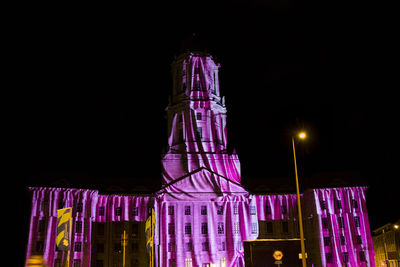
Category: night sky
[90,87]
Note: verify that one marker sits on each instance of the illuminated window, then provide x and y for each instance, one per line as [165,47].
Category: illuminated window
[188,262]
[223,262]
[220,228]
[187,210]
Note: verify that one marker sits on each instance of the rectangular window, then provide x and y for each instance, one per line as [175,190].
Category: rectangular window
[118,211]
[341,222]
[268,210]
[198,116]
[171,210]
[203,210]
[254,228]
[284,209]
[361,254]
[357,221]
[200,132]
[235,209]
[359,240]
[354,203]
[60,204]
[172,262]
[197,70]
[79,207]
[187,210]
[188,228]
[338,204]
[171,228]
[342,240]
[188,246]
[135,211]
[253,210]
[220,228]
[236,228]
[285,227]
[323,204]
[101,211]
[78,227]
[78,246]
[325,223]
[171,246]
[221,246]
[345,256]
[220,210]
[42,226]
[269,228]
[329,258]
[204,228]
[204,246]
[196,85]
[327,241]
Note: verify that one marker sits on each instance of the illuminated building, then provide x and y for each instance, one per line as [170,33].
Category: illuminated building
[202,213]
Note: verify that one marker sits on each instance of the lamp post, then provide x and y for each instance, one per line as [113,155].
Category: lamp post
[301,135]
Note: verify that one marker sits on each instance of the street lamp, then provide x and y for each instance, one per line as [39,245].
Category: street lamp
[301,135]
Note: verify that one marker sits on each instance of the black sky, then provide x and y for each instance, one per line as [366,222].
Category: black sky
[90,85]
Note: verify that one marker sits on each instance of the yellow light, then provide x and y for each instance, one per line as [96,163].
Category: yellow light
[396,226]
[302,135]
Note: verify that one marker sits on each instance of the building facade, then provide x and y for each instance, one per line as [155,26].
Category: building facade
[201,215]
[387,245]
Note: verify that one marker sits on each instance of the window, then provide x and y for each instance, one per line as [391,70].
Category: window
[188,228]
[188,262]
[341,222]
[198,116]
[327,240]
[268,210]
[235,209]
[200,132]
[359,239]
[354,203]
[284,209]
[285,227]
[254,228]
[172,262]
[236,228]
[323,204]
[42,226]
[220,228]
[204,246]
[78,227]
[171,228]
[78,246]
[361,254]
[357,221]
[188,246]
[345,256]
[220,210]
[342,240]
[100,228]
[196,85]
[328,257]
[101,211]
[60,204]
[253,210]
[269,228]
[204,228]
[77,263]
[197,70]
[203,210]
[135,211]
[187,210]
[79,207]
[171,246]
[325,223]
[118,211]
[338,204]
[171,210]
[221,246]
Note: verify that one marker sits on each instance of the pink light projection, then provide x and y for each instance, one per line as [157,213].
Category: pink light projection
[202,212]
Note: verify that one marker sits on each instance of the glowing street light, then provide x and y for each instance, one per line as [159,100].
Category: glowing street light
[301,135]
[396,226]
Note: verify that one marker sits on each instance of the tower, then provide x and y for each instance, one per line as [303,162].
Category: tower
[197,122]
